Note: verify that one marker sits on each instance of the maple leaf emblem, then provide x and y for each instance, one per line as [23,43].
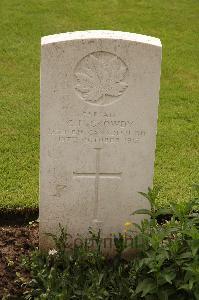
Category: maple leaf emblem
[101,76]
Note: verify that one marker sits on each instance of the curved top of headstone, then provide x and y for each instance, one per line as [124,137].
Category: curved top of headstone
[100,34]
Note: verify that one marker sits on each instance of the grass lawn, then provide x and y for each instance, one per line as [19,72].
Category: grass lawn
[22,23]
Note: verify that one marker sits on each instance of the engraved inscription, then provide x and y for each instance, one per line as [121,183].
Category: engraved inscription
[100,78]
[93,127]
[97,175]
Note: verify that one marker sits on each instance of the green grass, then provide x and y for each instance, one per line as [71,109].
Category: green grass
[22,23]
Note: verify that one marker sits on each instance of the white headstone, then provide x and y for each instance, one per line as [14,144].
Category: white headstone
[99,107]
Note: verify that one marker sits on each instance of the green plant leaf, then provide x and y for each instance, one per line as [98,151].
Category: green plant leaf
[169,276]
[147,286]
[163,211]
[187,254]
[142,212]
[184,287]
[194,246]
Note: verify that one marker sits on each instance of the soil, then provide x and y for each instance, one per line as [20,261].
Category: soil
[15,241]
[18,216]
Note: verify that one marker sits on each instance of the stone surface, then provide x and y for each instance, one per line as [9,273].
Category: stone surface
[99,107]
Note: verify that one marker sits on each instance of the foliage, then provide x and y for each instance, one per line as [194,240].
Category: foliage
[169,263]
[166,265]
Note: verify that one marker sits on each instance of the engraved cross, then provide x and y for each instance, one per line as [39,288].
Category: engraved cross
[97,175]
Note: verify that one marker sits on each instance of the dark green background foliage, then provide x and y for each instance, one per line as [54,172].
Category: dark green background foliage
[22,23]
